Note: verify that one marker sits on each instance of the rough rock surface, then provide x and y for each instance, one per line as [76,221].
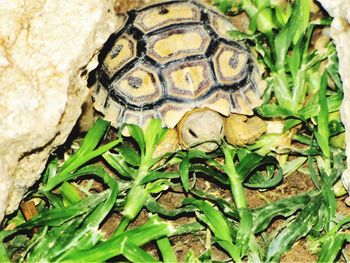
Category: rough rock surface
[340,33]
[45,46]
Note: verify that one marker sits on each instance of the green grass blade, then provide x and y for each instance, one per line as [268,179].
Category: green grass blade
[331,248]
[184,172]
[57,216]
[135,200]
[328,198]
[251,162]
[137,134]
[300,227]
[244,231]
[312,172]
[282,90]
[312,110]
[292,32]
[291,166]
[70,193]
[210,171]
[264,215]
[117,162]
[272,111]
[56,236]
[333,70]
[91,140]
[155,175]
[51,171]
[302,16]
[266,183]
[130,155]
[3,252]
[224,206]
[216,220]
[154,135]
[166,250]
[66,173]
[135,253]
[322,134]
[98,215]
[154,207]
[233,250]
[153,229]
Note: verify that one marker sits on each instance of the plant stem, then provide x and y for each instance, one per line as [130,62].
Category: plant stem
[122,226]
[235,180]
[135,199]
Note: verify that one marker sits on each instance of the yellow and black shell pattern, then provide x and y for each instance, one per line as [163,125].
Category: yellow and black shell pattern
[169,58]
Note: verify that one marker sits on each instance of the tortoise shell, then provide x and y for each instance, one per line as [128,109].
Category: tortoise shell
[169,58]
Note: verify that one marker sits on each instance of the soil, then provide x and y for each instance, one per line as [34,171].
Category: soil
[294,184]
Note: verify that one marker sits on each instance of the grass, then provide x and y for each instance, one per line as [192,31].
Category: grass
[304,93]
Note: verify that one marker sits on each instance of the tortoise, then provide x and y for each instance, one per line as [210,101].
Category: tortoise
[175,61]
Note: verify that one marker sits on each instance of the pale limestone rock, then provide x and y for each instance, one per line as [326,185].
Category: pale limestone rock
[340,33]
[44,47]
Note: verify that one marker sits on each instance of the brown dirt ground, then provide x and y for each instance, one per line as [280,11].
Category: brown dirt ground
[294,184]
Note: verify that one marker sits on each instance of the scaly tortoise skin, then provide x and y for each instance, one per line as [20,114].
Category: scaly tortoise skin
[169,58]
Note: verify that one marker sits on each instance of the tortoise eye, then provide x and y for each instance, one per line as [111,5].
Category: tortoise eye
[163,11]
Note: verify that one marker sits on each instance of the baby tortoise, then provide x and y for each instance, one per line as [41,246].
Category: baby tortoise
[175,61]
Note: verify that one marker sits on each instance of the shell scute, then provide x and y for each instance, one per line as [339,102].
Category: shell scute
[172,57]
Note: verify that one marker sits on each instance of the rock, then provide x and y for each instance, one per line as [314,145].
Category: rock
[340,33]
[45,47]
